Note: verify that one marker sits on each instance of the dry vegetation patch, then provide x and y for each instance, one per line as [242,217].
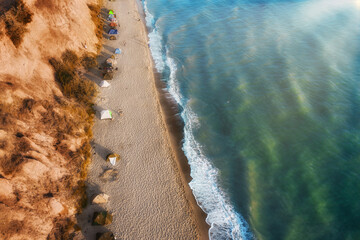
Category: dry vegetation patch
[83,91]
[62,121]
[71,83]
[88,60]
[48,4]
[44,139]
[16,19]
[95,11]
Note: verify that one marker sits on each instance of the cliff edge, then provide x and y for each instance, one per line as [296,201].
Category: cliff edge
[44,129]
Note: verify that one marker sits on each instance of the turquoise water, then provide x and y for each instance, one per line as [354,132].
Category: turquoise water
[269,94]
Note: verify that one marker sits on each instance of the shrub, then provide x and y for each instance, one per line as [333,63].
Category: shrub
[72,85]
[70,58]
[14,30]
[21,12]
[15,22]
[10,163]
[27,105]
[88,61]
[95,11]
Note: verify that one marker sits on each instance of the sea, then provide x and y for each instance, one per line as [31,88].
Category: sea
[269,93]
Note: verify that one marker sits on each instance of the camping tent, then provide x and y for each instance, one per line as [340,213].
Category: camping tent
[105,114]
[113,158]
[113,31]
[111,61]
[111,12]
[113,24]
[104,83]
[117,51]
[112,161]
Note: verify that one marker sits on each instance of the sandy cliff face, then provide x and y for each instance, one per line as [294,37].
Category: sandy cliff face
[43,135]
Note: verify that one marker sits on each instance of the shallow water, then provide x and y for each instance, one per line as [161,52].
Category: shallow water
[269,93]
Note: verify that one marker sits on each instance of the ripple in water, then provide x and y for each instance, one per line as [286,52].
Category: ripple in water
[269,92]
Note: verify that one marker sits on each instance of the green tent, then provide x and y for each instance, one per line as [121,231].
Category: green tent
[111,12]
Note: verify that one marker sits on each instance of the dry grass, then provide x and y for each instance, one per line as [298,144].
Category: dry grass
[15,20]
[71,84]
[95,11]
[76,122]
[62,230]
[70,58]
[88,60]
[19,147]
[42,4]
[83,91]
[27,105]
[21,12]
[5,115]
[14,30]
[87,96]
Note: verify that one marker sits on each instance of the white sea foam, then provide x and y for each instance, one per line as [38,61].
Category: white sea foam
[225,222]
[155,41]
[173,88]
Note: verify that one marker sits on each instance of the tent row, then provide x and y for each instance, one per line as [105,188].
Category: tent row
[113,23]
[109,67]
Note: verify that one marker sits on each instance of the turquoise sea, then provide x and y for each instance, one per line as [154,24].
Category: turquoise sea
[269,92]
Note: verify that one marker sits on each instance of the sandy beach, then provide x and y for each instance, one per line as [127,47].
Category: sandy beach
[149,196]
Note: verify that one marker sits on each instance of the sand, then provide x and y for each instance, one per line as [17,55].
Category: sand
[149,198]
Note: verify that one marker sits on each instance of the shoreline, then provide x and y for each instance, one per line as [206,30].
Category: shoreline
[175,127]
[150,196]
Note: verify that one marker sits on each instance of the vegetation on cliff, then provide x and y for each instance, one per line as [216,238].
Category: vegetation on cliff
[46,115]
[16,19]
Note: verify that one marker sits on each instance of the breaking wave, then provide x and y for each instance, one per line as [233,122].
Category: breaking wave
[225,222]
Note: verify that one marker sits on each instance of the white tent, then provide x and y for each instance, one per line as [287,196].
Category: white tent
[105,114]
[104,84]
[112,160]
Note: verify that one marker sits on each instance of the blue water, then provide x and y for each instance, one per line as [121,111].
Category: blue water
[269,94]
